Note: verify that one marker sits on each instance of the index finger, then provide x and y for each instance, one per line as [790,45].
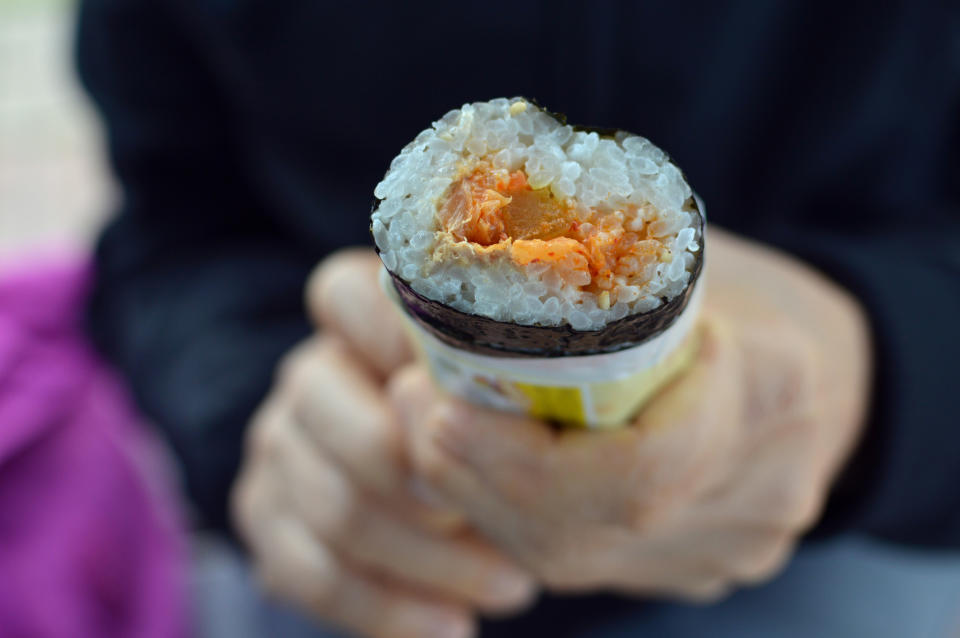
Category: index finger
[346,415]
[344,295]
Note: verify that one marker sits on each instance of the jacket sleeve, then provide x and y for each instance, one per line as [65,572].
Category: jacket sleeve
[903,483]
[198,292]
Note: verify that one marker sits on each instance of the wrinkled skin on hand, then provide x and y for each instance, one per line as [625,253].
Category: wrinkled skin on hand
[714,482]
[323,499]
[710,487]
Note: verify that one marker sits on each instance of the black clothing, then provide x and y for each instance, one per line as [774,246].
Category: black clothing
[248,137]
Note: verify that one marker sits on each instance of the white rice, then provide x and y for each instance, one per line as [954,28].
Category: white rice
[597,172]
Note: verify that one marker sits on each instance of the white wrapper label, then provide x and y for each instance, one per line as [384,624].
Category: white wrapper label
[594,391]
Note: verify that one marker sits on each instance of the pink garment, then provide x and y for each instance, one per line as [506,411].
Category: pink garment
[90,544]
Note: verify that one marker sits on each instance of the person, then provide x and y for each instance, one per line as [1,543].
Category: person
[247,138]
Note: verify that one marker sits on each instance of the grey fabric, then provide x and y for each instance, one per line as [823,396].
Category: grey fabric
[848,587]
[228,603]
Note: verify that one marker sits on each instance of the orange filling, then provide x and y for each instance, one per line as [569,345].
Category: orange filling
[500,211]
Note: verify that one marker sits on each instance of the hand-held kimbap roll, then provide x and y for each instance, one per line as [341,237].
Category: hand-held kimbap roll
[544,267]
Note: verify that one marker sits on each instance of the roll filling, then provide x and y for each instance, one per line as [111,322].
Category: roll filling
[503,211]
[604,252]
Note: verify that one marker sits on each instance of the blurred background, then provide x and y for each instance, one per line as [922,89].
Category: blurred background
[54,188]
[55,191]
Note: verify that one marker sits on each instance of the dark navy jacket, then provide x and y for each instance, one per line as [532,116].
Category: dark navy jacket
[248,135]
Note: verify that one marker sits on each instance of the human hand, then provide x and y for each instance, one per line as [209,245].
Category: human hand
[717,478]
[322,499]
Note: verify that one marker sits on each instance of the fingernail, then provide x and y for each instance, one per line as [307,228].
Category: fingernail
[445,625]
[510,587]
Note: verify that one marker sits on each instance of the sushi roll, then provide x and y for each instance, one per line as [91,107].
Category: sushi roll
[542,267]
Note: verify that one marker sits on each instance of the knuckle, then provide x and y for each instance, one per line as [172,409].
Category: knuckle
[558,580]
[266,439]
[781,374]
[705,591]
[560,577]
[289,361]
[433,467]
[805,516]
[520,482]
[802,367]
[639,515]
[409,381]
[330,276]
[801,510]
[433,462]
[557,566]
[295,368]
[312,584]
[285,571]
[412,393]
[290,381]
[391,620]
[319,283]
[345,519]
[644,515]
[328,504]
[243,505]
[766,561]
[289,369]
[804,378]
[383,440]
[791,504]
[269,581]
[374,451]
[321,588]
